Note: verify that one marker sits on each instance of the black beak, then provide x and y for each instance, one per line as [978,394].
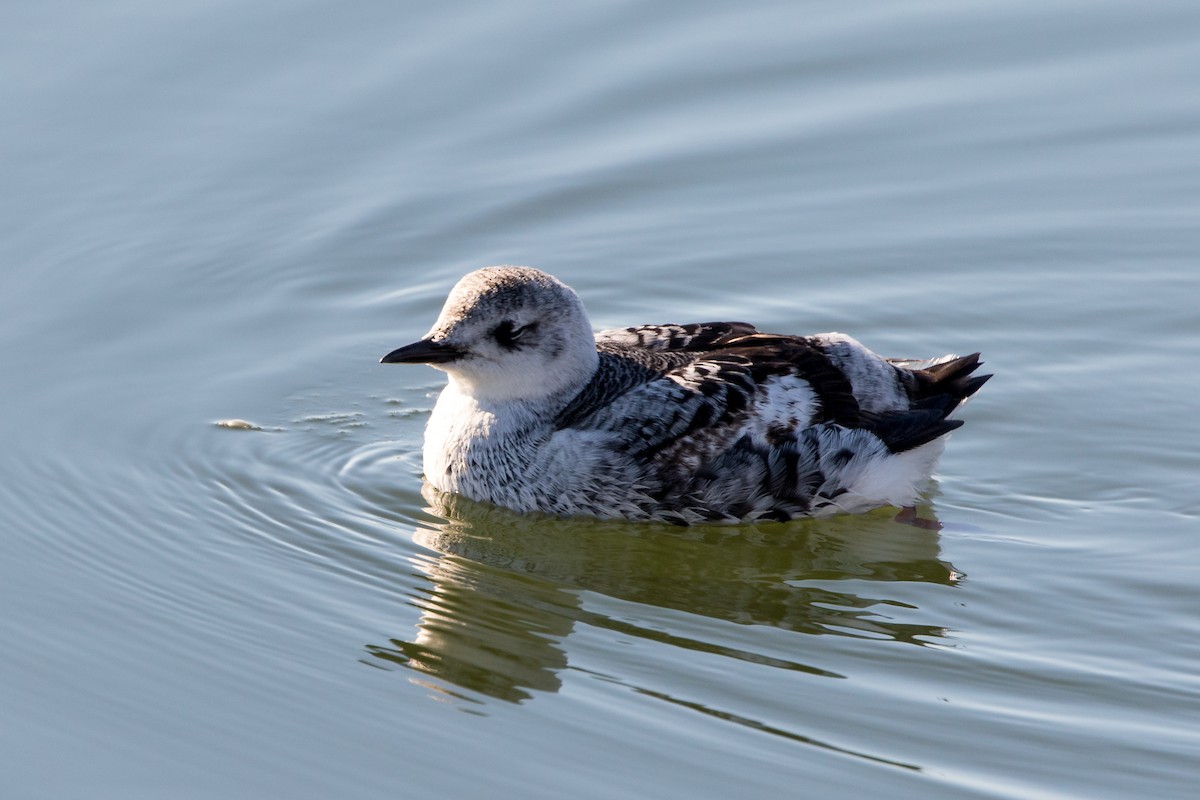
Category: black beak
[425,351]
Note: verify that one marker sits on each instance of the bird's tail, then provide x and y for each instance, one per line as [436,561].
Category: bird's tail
[947,383]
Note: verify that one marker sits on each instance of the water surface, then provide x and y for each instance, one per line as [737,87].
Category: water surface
[220,211]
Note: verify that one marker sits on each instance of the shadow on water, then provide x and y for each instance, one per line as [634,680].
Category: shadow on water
[505,589]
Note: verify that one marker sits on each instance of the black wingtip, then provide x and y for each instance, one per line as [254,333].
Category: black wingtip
[972,385]
[952,379]
[907,430]
[954,368]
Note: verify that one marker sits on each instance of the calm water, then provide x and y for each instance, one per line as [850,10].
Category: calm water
[231,210]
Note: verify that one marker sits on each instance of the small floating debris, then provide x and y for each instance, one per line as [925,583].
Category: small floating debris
[238,425]
[348,418]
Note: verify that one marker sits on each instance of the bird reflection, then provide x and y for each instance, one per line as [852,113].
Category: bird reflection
[505,588]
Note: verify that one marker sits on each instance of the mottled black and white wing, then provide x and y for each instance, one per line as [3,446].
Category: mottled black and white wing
[693,337]
[752,425]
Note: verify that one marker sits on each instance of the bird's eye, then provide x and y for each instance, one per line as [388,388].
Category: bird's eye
[508,332]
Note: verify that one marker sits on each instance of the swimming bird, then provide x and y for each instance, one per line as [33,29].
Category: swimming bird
[703,422]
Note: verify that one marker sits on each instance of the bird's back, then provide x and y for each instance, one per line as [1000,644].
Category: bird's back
[725,422]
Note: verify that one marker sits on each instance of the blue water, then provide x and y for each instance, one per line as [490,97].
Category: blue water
[218,211]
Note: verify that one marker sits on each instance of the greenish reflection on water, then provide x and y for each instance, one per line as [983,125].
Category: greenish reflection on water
[505,589]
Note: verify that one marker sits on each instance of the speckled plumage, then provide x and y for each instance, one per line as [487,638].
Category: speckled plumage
[680,423]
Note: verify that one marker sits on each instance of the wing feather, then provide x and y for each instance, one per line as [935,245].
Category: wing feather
[693,337]
[694,405]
